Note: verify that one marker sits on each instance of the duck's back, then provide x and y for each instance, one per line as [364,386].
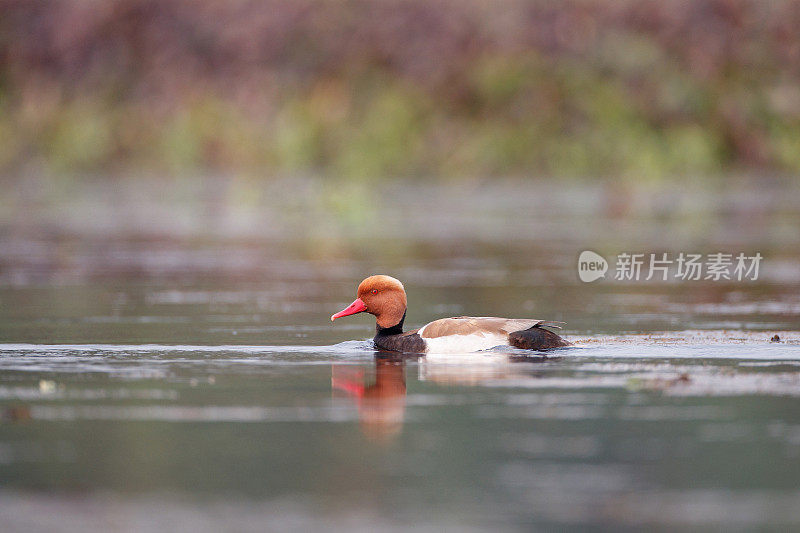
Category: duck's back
[465,334]
[485,326]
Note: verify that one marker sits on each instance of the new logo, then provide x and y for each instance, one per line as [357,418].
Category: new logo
[591,266]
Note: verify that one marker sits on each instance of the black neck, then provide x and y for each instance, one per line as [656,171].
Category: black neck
[394,330]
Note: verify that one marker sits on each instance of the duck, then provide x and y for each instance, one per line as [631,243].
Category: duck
[385,297]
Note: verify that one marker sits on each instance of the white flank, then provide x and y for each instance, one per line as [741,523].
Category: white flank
[464,343]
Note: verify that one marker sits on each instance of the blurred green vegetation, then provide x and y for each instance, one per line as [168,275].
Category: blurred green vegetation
[369,90]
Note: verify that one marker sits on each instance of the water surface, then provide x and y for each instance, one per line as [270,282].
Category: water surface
[174,367]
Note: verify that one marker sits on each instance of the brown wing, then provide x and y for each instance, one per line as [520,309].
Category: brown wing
[479,325]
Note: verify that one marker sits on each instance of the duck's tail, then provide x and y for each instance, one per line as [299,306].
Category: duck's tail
[537,338]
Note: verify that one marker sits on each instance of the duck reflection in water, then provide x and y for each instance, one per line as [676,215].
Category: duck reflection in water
[382,402]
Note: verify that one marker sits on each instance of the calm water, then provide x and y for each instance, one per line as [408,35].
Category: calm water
[167,362]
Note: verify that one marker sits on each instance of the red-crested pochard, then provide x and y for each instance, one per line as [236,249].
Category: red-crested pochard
[385,297]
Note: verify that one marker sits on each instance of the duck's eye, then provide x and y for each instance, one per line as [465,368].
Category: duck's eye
[374,291]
